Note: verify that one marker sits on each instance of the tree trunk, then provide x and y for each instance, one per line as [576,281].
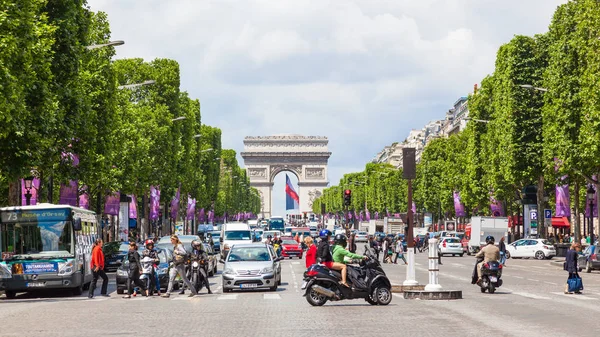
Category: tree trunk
[577,224]
[541,204]
[14,193]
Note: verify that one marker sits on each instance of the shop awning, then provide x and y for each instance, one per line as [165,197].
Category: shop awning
[560,222]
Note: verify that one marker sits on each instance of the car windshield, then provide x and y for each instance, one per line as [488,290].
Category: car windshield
[361,233]
[115,247]
[215,235]
[44,239]
[245,254]
[237,235]
[289,242]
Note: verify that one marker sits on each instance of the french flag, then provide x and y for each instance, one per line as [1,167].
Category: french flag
[292,200]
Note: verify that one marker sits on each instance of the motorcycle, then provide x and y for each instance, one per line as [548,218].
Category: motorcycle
[367,281]
[199,275]
[491,273]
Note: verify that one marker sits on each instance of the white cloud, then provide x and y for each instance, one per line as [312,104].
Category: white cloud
[362,73]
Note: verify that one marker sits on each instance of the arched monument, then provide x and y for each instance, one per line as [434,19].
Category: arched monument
[306,157]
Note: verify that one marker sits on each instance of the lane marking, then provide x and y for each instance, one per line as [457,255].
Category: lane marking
[519,277]
[533,296]
[579,297]
[551,283]
[228,297]
[271,297]
[181,298]
[530,279]
[296,262]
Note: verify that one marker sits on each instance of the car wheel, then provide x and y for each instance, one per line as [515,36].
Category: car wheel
[10,294]
[274,288]
[461,255]
[314,298]
[120,291]
[540,255]
[588,267]
[507,255]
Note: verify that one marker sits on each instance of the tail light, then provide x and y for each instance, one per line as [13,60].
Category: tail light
[444,244]
[486,265]
[311,273]
[500,266]
[545,247]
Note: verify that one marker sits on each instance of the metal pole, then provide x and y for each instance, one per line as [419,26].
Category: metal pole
[591,221]
[434,270]
[28,197]
[410,270]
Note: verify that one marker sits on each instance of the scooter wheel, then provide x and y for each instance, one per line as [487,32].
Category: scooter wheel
[383,295]
[482,290]
[315,299]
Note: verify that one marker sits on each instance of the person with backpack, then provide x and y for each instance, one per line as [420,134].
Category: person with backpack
[180,257]
[134,271]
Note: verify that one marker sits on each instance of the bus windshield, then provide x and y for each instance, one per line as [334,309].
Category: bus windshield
[277,224]
[35,240]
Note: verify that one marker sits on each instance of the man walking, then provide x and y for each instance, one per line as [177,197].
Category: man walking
[97,266]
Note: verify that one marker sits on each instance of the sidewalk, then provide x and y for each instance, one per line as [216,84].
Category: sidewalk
[557,262]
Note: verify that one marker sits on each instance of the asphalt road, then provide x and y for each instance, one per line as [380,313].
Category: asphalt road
[530,303]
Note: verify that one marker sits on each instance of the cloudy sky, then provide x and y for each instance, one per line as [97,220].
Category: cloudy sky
[363,73]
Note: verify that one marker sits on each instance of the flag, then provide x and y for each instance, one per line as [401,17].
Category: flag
[292,201]
[376,215]
[68,193]
[459,208]
[84,199]
[154,202]
[563,204]
[112,204]
[191,208]
[201,216]
[133,207]
[414,208]
[367,215]
[175,204]
[35,186]
[496,207]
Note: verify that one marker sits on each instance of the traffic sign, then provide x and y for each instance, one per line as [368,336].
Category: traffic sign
[533,214]
[547,214]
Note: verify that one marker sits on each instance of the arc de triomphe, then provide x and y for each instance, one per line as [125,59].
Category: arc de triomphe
[306,157]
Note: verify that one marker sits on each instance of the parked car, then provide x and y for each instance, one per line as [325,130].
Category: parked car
[164,255]
[361,236]
[588,261]
[290,248]
[216,236]
[213,261]
[526,248]
[114,252]
[451,246]
[251,266]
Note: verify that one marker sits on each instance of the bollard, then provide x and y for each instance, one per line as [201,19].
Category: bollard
[433,284]
[410,270]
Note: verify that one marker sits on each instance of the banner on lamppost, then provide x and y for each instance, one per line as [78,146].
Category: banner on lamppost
[563,204]
[133,207]
[175,204]
[84,198]
[496,207]
[154,202]
[459,208]
[69,194]
[112,204]
[35,187]
[191,208]
[201,216]
[376,215]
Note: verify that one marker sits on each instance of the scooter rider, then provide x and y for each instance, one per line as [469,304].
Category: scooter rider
[324,255]
[152,253]
[490,253]
[198,254]
[339,252]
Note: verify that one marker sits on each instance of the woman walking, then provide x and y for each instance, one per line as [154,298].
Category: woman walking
[571,267]
[135,269]
[311,252]
[178,267]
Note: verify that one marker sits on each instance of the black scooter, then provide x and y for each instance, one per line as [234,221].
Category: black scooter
[367,281]
[199,274]
[491,273]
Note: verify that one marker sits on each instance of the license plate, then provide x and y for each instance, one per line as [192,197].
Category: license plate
[304,285]
[113,262]
[248,285]
[493,279]
[36,284]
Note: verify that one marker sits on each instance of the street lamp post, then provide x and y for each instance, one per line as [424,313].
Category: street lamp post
[136,85]
[180,118]
[590,197]
[108,44]
[28,185]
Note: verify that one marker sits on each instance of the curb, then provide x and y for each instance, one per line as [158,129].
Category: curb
[433,295]
[558,263]
[397,288]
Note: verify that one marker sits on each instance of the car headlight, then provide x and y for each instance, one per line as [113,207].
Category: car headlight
[121,272]
[66,268]
[229,271]
[267,270]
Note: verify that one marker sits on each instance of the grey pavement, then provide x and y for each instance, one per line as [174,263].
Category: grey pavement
[530,303]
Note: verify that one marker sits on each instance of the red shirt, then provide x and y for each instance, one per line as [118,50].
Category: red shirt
[311,256]
[97,258]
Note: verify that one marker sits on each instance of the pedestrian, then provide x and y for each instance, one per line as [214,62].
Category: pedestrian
[97,266]
[502,247]
[384,248]
[571,267]
[583,240]
[179,260]
[399,251]
[373,245]
[437,242]
[134,271]
[311,252]
[352,243]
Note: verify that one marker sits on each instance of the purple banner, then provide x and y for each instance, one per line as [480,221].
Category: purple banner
[459,208]
[211,217]
[112,204]
[191,209]
[175,205]
[414,208]
[368,215]
[496,207]
[133,207]
[35,186]
[69,194]
[84,199]
[563,197]
[376,215]
[201,216]
[154,202]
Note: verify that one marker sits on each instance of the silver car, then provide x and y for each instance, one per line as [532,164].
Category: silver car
[251,266]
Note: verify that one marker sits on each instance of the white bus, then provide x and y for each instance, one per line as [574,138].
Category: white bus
[46,247]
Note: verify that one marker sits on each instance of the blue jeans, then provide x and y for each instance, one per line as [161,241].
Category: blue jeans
[502,258]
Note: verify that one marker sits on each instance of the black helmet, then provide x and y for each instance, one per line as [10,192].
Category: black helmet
[340,239]
[490,240]
[269,237]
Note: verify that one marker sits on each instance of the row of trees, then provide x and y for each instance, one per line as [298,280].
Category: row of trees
[59,97]
[542,107]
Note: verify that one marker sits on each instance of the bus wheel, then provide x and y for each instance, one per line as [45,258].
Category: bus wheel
[10,294]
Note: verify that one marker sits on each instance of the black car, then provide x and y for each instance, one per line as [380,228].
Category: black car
[114,252]
[164,255]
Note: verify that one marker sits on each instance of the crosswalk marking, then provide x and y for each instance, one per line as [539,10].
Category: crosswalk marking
[295,262]
[227,297]
[533,296]
[579,297]
[271,296]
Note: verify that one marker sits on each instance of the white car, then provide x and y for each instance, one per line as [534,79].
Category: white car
[361,236]
[450,245]
[538,248]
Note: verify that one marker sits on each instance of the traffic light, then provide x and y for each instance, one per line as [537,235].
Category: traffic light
[347,197]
